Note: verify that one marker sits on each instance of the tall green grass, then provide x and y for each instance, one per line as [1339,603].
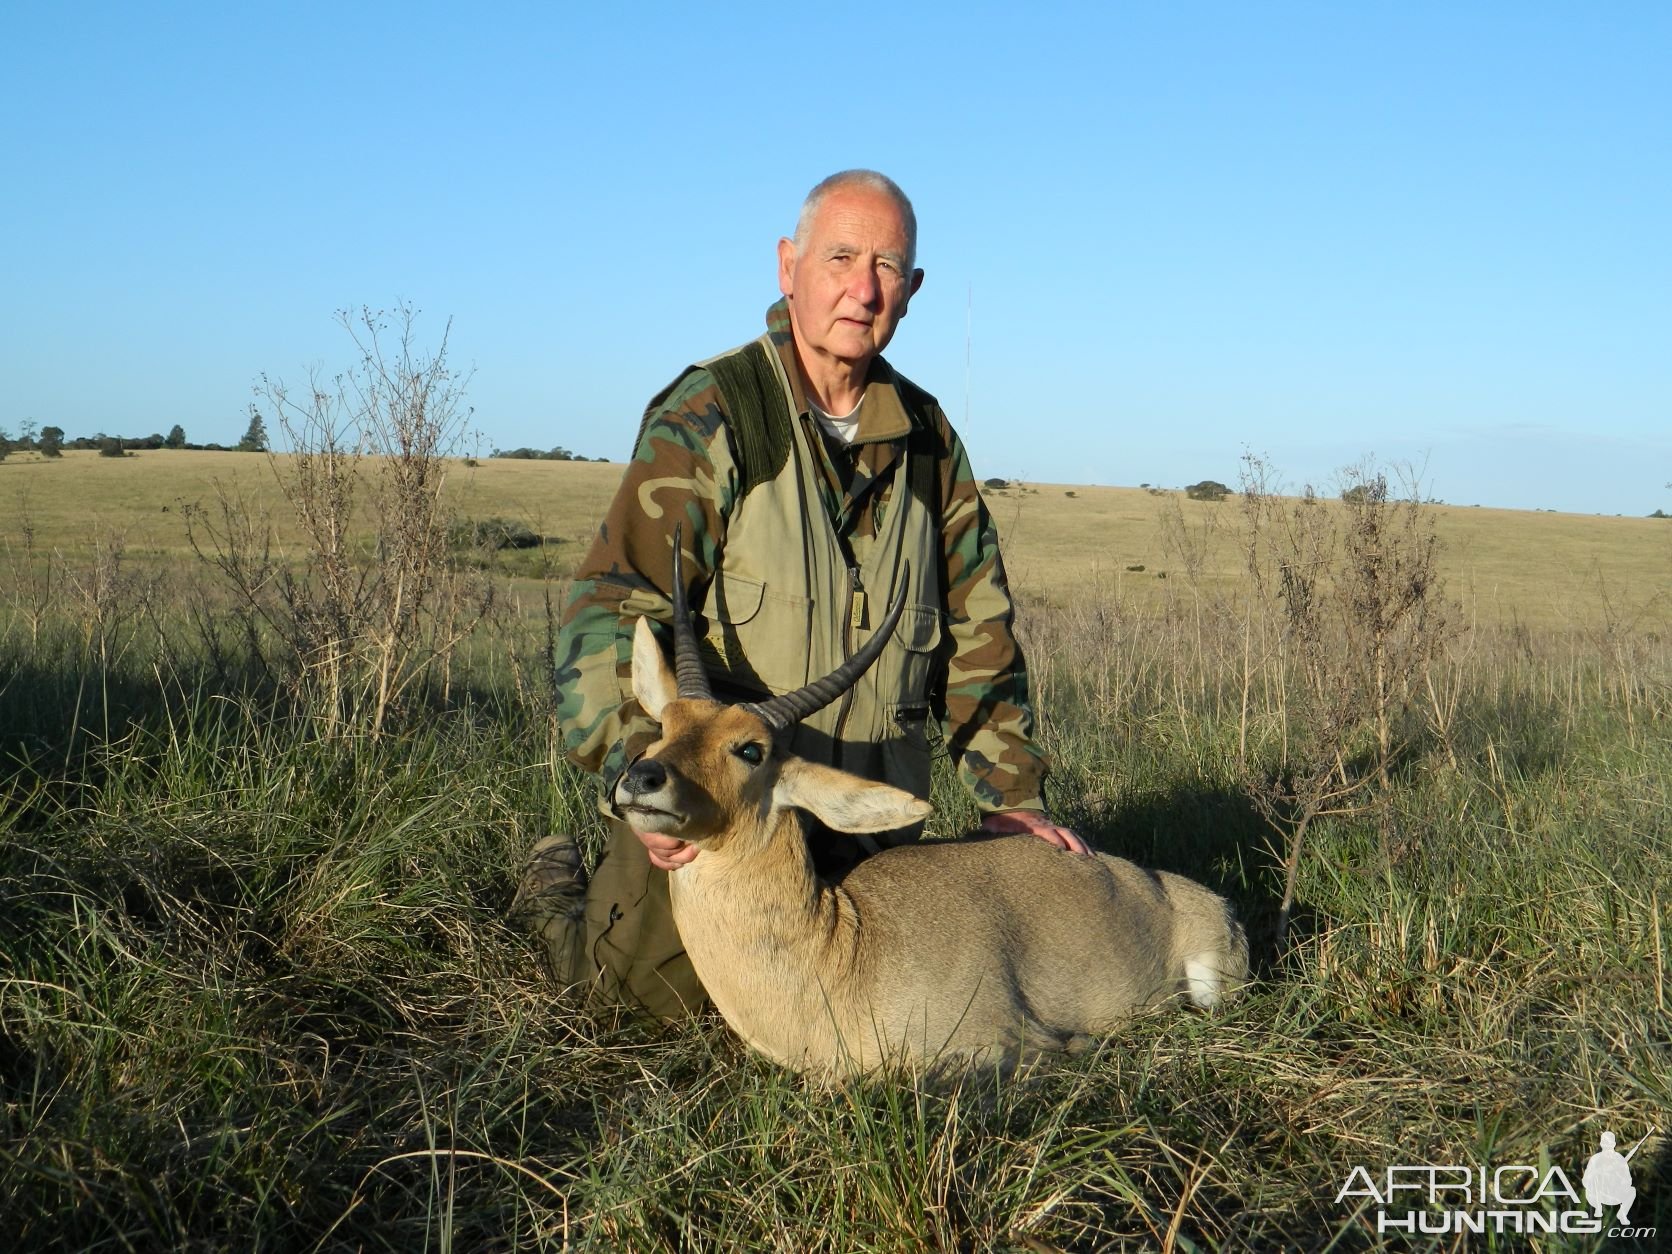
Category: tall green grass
[257,990]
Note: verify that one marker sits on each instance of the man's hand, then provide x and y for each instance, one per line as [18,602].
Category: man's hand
[1033,823]
[668,852]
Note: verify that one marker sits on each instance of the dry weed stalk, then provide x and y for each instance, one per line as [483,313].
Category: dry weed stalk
[1187,547]
[1349,615]
[108,599]
[1623,644]
[35,572]
[376,602]
[1396,618]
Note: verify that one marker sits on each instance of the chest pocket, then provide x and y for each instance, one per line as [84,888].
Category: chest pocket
[756,639]
[911,655]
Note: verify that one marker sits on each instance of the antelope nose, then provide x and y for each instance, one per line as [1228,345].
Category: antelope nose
[645,775]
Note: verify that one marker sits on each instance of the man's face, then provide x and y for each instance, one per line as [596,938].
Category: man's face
[847,283]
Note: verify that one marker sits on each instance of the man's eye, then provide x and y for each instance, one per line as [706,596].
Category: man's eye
[750,753]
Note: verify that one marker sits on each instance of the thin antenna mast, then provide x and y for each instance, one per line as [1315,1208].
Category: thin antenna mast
[969,320]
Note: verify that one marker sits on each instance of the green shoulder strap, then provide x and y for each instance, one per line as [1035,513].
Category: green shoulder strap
[757,418]
[756,415]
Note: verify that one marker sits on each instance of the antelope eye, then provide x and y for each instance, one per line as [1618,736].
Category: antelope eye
[751,753]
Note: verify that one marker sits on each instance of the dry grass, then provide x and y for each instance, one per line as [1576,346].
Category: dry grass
[142,495]
[1505,566]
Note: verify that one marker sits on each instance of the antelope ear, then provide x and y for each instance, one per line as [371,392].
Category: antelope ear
[846,803]
[653,682]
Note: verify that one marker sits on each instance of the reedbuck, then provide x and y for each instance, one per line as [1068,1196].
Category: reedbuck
[978,949]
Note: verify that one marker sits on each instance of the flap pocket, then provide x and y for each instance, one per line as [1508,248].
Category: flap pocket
[919,629]
[734,599]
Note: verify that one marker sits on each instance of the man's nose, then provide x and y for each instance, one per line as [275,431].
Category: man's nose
[865,287]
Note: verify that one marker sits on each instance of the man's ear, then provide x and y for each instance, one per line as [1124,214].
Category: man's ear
[786,266]
[846,803]
[915,283]
[653,682]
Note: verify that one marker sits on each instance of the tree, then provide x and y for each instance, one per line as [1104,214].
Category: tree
[255,435]
[176,437]
[1207,490]
[52,441]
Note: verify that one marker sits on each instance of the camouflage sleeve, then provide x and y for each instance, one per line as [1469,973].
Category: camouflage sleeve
[682,475]
[987,712]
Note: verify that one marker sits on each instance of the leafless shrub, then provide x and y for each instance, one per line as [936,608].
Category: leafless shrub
[374,604]
[1186,543]
[36,574]
[1395,614]
[108,598]
[1346,620]
[235,538]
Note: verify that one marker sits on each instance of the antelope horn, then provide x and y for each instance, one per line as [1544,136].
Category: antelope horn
[689,672]
[783,712]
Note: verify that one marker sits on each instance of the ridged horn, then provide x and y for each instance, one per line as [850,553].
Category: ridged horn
[688,669]
[783,712]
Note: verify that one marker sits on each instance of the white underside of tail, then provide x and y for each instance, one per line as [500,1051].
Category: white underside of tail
[1204,979]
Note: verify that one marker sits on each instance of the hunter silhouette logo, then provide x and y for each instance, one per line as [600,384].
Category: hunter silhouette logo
[1518,1198]
[1607,1179]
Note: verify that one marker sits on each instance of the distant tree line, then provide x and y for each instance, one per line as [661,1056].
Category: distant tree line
[51,441]
[557,454]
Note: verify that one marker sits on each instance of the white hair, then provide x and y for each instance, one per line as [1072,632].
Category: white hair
[872,180]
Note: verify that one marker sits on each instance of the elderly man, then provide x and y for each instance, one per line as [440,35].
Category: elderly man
[813,483]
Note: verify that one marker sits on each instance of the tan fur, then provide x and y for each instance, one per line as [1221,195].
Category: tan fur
[988,948]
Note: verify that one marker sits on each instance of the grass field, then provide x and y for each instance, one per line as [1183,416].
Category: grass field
[141,496]
[1505,566]
[257,990]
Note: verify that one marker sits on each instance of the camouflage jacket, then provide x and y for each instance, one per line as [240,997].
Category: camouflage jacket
[684,472]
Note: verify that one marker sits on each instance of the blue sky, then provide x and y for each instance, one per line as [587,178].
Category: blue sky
[1435,232]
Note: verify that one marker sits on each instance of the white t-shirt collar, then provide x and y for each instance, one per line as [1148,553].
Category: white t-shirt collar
[844,428]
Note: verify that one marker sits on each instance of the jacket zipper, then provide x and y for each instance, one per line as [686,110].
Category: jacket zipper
[852,612]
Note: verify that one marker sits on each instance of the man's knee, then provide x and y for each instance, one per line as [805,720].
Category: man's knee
[633,951]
